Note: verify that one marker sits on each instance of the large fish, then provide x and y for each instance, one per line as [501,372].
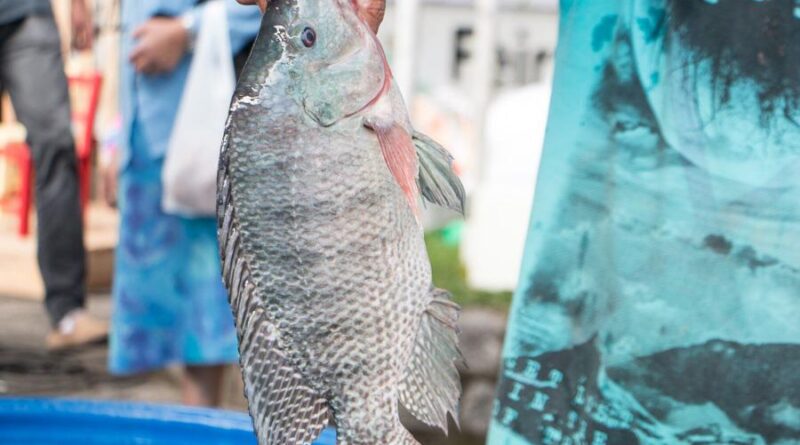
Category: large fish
[323,252]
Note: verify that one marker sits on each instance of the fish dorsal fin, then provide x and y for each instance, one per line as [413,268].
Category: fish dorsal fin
[284,407]
[400,156]
[438,182]
[431,386]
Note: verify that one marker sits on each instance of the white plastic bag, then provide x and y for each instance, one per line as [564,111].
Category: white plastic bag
[190,167]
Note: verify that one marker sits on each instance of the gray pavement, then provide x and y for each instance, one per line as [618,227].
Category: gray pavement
[27,369]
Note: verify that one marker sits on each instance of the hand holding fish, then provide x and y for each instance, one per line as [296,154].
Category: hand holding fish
[261,3]
[372,11]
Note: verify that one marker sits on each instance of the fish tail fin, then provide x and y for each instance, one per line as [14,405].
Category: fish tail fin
[431,387]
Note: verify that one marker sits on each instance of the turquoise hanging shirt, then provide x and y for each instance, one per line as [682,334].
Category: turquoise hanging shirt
[659,301]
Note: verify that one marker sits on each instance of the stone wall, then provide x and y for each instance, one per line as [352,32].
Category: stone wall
[481,337]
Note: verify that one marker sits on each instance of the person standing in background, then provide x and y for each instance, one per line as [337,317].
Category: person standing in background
[170,307]
[32,71]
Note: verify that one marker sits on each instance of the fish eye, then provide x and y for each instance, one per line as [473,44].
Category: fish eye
[309,37]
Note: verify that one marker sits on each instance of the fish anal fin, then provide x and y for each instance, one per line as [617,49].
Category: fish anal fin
[286,410]
[398,151]
[438,182]
[431,386]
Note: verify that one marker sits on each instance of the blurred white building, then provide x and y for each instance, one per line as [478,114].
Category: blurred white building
[462,96]
[444,50]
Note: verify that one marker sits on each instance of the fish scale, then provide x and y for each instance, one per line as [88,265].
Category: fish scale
[322,250]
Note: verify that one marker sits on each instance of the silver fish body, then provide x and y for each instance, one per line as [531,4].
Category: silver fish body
[324,258]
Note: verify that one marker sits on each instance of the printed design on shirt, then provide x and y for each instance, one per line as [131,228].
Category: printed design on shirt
[767,56]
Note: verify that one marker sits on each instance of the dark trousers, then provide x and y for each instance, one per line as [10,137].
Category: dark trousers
[32,72]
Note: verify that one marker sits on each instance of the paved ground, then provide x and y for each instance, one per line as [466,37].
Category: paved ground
[26,369]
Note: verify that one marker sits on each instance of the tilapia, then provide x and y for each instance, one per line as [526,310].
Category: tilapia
[323,254]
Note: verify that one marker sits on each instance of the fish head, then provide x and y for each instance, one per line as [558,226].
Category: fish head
[325,57]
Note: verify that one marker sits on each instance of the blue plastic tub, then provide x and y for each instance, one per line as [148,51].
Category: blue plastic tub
[65,422]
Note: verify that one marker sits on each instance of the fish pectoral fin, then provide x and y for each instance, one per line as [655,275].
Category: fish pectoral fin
[438,182]
[431,386]
[398,151]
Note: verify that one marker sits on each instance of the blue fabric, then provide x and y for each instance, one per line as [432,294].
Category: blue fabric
[170,306]
[153,100]
[659,300]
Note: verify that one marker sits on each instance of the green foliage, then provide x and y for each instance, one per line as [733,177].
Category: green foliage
[449,273]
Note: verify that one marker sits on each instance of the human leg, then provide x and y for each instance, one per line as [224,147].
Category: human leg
[32,72]
[202,385]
